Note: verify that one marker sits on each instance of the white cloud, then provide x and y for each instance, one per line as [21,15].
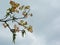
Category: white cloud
[33,39]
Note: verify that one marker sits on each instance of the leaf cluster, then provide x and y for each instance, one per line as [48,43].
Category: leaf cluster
[17,8]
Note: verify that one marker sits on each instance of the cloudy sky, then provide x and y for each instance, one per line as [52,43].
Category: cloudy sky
[45,22]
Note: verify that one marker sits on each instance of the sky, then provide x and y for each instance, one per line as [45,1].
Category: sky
[45,22]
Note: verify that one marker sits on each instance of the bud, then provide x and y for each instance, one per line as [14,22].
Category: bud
[5,25]
[30,29]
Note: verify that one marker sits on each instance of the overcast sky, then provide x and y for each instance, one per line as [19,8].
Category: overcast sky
[45,22]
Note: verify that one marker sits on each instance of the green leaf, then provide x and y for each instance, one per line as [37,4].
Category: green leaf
[21,8]
[30,28]
[23,32]
[27,7]
[25,23]
[22,22]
